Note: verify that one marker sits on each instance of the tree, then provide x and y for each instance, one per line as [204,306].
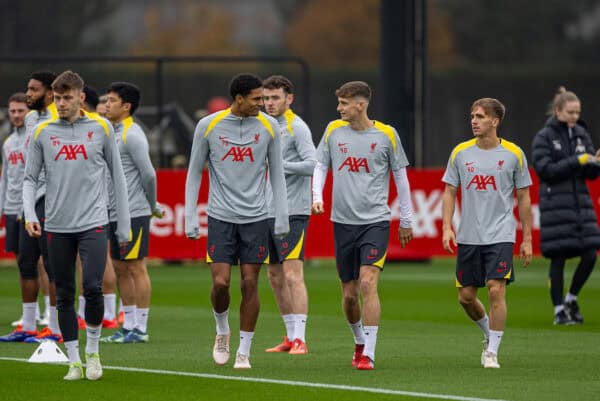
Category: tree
[52,27]
[515,31]
[190,29]
[334,33]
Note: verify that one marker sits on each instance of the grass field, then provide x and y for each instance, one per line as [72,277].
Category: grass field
[427,347]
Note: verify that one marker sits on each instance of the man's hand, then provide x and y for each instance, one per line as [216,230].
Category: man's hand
[404,235]
[526,252]
[448,239]
[158,211]
[195,234]
[317,208]
[34,230]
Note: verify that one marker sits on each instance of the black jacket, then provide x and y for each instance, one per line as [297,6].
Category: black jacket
[567,216]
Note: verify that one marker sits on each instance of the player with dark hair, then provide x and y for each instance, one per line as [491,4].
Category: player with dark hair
[239,144]
[286,255]
[123,99]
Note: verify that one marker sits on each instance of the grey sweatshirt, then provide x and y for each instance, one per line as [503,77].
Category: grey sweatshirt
[139,173]
[74,156]
[238,151]
[13,169]
[299,162]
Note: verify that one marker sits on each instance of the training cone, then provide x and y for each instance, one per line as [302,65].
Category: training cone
[48,352]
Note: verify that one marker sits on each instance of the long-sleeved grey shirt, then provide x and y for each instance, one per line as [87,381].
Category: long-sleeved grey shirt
[32,119]
[238,151]
[299,161]
[139,173]
[13,169]
[74,156]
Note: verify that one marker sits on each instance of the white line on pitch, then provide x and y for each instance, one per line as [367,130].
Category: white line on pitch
[327,386]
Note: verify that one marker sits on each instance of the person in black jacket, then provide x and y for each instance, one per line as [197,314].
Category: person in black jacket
[563,158]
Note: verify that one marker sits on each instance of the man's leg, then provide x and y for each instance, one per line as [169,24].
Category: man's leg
[53,332]
[294,278]
[44,284]
[127,292]
[351,308]
[219,298]
[109,284]
[62,251]
[283,299]
[249,307]
[371,313]
[81,298]
[92,250]
[143,289]
[497,294]
[27,258]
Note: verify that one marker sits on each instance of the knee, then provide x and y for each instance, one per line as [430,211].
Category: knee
[65,298]
[220,284]
[350,298]
[27,267]
[367,284]
[276,277]
[249,285]
[92,289]
[495,291]
[466,299]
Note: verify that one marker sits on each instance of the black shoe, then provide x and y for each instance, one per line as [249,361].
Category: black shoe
[562,318]
[572,309]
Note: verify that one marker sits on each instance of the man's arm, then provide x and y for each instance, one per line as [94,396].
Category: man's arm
[307,152]
[3,182]
[318,182]
[137,146]
[406,212]
[33,166]
[113,161]
[193,180]
[524,204]
[448,204]
[275,159]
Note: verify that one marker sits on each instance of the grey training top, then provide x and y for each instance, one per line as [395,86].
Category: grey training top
[238,151]
[361,162]
[139,173]
[299,161]
[13,169]
[74,156]
[487,180]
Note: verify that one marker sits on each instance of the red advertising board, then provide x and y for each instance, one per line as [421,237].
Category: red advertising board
[168,239]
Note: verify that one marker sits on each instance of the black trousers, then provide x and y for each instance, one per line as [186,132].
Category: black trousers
[63,249]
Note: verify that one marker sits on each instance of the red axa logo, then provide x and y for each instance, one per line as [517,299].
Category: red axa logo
[71,152]
[354,164]
[239,154]
[481,182]
[16,158]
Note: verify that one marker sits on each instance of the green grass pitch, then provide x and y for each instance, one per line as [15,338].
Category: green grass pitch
[426,345]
